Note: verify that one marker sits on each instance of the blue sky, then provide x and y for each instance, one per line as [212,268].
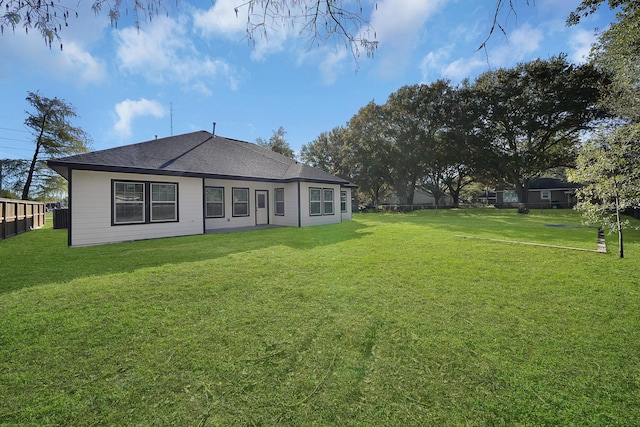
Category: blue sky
[182,72]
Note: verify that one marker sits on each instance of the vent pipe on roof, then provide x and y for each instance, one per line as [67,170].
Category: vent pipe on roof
[214,129]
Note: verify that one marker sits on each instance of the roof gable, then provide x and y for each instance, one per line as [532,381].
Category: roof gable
[197,154]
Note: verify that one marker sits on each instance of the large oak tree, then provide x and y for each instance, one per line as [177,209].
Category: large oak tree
[532,116]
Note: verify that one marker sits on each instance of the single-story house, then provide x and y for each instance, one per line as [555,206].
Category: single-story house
[194,183]
[543,193]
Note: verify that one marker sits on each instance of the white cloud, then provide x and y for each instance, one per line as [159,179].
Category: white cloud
[162,52]
[128,110]
[398,25]
[580,42]
[220,19]
[331,65]
[73,64]
[521,43]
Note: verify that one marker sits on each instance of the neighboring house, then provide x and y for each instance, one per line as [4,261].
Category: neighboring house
[543,193]
[193,184]
[421,197]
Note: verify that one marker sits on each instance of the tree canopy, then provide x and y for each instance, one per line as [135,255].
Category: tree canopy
[278,143]
[509,125]
[53,136]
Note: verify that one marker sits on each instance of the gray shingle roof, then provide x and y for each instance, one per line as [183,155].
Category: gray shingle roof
[198,154]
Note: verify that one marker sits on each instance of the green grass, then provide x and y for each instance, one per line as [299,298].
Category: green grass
[383,320]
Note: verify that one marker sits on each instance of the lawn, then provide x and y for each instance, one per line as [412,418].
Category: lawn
[384,320]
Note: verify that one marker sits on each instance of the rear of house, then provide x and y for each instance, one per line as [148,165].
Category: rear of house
[193,184]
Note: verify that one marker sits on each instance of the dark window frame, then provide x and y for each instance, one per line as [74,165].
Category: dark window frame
[322,211]
[206,202]
[147,202]
[234,203]
[279,203]
[312,202]
[343,201]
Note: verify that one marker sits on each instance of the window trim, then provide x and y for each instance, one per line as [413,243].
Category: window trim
[114,204]
[278,202]
[233,202]
[147,202]
[343,201]
[206,210]
[332,201]
[545,194]
[157,202]
[319,202]
[322,201]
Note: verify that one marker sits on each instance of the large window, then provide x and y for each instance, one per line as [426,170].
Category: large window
[315,201]
[321,201]
[164,202]
[279,201]
[214,202]
[343,201]
[128,206]
[142,202]
[240,202]
[327,201]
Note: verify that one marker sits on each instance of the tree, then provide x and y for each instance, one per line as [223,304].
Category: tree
[53,133]
[328,152]
[317,20]
[531,117]
[617,52]
[277,143]
[609,164]
[367,151]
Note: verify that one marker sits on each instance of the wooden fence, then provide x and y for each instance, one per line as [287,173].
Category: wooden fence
[19,216]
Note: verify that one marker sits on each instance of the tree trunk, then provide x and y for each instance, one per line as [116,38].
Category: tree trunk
[522,190]
[32,167]
[619,226]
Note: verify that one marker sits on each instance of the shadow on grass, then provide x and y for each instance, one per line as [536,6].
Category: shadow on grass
[42,256]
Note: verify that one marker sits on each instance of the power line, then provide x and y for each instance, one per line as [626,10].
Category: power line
[13,139]
[15,130]
[13,148]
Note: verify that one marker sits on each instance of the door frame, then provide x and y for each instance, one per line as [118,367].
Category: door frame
[266,206]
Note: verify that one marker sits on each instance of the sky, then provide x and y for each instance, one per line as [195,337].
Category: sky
[193,65]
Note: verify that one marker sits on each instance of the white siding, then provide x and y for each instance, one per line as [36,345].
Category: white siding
[347,215]
[307,219]
[290,217]
[91,206]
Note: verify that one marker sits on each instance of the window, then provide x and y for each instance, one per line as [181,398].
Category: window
[315,201]
[214,202]
[320,201]
[128,202]
[143,202]
[164,202]
[327,201]
[343,201]
[262,201]
[279,201]
[545,195]
[240,202]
